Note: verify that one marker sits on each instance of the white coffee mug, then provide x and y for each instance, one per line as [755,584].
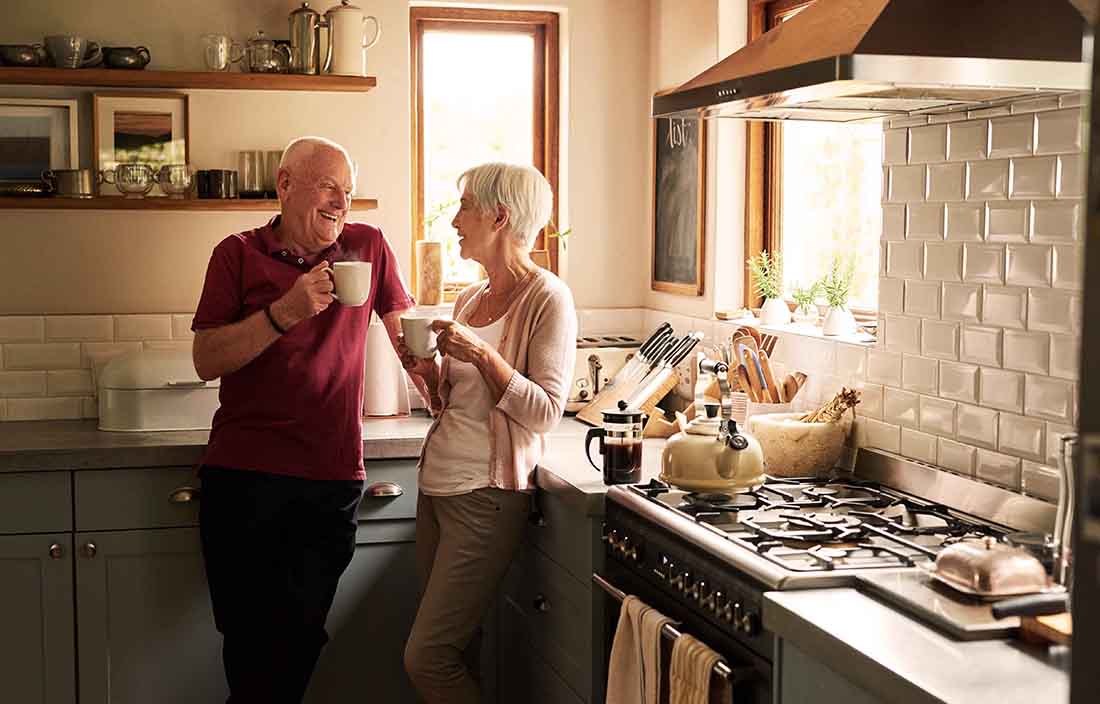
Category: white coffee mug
[419,336]
[351,281]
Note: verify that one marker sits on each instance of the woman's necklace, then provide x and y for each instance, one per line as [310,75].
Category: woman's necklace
[489,300]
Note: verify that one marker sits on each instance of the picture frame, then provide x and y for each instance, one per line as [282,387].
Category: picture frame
[679,205]
[36,135]
[144,128]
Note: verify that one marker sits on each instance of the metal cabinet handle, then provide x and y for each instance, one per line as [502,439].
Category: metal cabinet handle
[384,490]
[540,603]
[184,495]
[88,549]
[56,551]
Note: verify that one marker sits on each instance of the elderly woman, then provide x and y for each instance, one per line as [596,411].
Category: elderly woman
[502,382]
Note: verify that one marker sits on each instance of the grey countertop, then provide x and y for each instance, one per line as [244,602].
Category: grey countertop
[900,660]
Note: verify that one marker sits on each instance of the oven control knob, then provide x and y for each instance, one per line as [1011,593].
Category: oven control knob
[664,568]
[738,613]
[749,624]
[703,595]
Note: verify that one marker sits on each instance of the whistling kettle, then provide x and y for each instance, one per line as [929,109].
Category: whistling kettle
[712,454]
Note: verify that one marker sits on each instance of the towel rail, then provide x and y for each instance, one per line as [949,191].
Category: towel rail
[734,675]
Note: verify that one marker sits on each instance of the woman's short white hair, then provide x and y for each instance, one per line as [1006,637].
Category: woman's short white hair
[522,190]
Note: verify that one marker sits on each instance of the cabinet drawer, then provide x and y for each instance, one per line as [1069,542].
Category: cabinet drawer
[121,499]
[35,502]
[565,535]
[558,611]
[400,472]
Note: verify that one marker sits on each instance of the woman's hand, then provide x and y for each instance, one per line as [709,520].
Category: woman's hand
[424,367]
[458,341]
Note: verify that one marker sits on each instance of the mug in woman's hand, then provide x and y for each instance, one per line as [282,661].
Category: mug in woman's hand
[419,336]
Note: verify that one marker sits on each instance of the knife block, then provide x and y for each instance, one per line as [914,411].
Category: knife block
[610,397]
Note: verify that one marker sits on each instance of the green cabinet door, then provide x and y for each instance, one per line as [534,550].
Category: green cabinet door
[146,630]
[523,676]
[37,654]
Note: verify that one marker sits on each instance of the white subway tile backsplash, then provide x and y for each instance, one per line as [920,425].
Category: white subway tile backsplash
[1027,351]
[968,140]
[983,263]
[884,367]
[961,302]
[907,183]
[870,401]
[30,383]
[1004,307]
[924,221]
[1049,398]
[999,469]
[181,325]
[1055,431]
[79,328]
[1057,221]
[1071,176]
[980,345]
[891,295]
[965,222]
[922,298]
[69,382]
[895,145]
[927,143]
[36,356]
[143,327]
[1028,264]
[956,456]
[1039,481]
[902,334]
[1065,356]
[1068,267]
[1060,131]
[893,222]
[1021,437]
[22,328]
[976,425]
[905,260]
[1033,177]
[43,409]
[89,408]
[940,339]
[94,354]
[959,381]
[1012,136]
[947,181]
[1002,389]
[881,435]
[943,261]
[987,180]
[918,446]
[937,416]
[919,374]
[1053,310]
[1007,221]
[900,407]
[851,360]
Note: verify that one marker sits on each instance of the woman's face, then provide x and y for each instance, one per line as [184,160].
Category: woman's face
[479,234]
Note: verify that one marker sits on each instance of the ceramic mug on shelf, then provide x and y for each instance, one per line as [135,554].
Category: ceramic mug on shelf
[71,51]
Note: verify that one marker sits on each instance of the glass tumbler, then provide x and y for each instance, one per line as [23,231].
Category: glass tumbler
[250,167]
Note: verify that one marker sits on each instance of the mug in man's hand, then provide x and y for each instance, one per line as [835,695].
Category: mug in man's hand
[419,336]
[351,282]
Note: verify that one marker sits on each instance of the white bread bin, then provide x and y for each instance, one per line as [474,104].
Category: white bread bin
[155,390]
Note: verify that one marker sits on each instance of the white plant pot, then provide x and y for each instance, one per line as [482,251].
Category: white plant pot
[806,315]
[775,312]
[839,321]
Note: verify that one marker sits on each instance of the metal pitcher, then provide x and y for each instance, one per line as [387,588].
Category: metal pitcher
[305,41]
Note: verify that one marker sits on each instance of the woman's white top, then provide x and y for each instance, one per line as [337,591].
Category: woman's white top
[456,459]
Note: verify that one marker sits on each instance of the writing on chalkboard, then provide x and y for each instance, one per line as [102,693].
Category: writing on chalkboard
[676,134]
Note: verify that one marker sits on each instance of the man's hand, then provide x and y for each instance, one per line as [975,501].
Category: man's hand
[458,341]
[310,294]
[421,366]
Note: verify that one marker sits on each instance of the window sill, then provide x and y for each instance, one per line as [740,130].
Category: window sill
[860,338]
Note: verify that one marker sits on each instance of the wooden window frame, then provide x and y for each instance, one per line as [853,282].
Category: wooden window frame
[543,27]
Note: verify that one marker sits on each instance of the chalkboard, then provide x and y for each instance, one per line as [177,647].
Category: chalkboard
[679,185]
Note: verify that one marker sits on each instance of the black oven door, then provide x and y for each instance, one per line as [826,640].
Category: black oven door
[751,675]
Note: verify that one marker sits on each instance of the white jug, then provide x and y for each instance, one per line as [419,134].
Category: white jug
[348,38]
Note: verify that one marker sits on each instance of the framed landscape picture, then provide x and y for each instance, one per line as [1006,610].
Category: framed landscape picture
[37,134]
[679,205]
[139,128]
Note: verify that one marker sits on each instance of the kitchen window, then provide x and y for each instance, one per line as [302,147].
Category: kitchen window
[813,189]
[484,88]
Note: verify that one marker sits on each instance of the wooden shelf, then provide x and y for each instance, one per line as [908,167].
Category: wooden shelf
[206,80]
[155,203]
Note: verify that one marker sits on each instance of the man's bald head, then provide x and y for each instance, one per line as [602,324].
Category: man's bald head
[301,154]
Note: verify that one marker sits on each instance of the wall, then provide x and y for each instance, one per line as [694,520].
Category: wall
[78,286]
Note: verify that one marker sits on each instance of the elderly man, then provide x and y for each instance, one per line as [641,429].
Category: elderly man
[283,473]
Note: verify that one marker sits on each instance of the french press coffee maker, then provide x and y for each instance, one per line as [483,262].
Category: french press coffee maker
[620,444]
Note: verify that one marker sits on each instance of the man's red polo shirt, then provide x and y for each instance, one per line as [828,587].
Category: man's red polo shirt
[296,408]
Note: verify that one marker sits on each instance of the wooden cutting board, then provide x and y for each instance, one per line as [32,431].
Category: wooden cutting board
[1057,628]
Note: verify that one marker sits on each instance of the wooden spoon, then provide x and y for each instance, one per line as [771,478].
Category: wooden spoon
[769,378]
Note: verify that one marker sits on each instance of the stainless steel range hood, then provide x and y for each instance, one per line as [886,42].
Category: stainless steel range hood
[848,60]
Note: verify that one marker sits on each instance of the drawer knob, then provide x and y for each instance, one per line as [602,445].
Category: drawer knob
[56,551]
[541,604]
[89,549]
[184,495]
[384,489]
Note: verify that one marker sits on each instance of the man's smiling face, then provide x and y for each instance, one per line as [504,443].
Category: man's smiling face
[315,198]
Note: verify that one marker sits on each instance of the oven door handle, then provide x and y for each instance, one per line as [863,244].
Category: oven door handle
[734,675]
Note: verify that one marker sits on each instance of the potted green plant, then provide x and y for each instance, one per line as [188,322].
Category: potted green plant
[767,277]
[805,302]
[836,286]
